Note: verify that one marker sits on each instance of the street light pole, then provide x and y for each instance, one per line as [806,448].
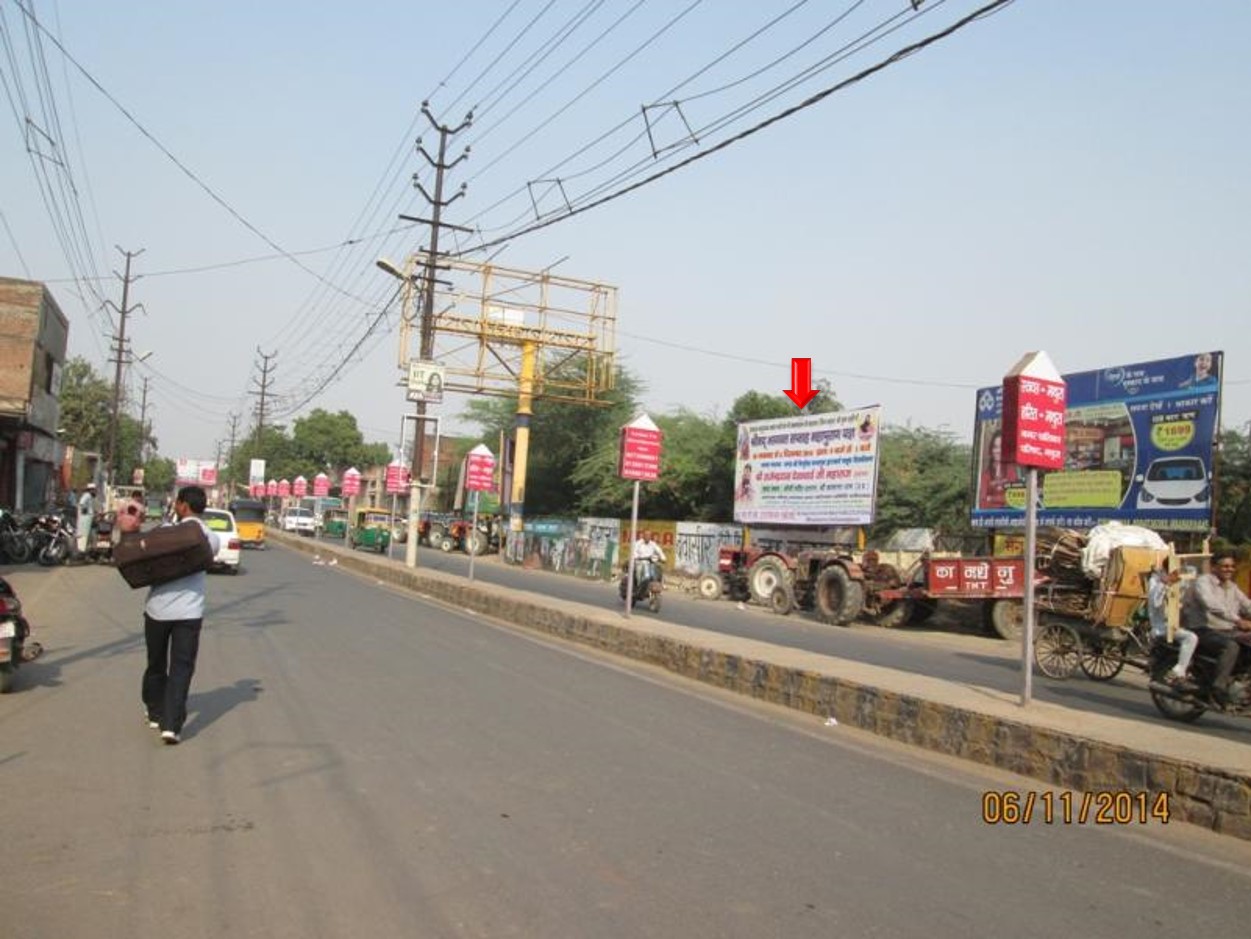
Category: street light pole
[119,360]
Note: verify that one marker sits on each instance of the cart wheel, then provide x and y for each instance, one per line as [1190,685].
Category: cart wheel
[1104,660]
[1057,649]
[710,586]
[446,544]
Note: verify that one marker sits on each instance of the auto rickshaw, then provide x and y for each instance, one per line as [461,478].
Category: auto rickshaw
[250,521]
[372,530]
[334,523]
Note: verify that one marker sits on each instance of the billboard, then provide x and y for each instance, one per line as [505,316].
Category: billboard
[813,470]
[1138,449]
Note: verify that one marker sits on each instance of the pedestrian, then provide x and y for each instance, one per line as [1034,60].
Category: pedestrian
[1217,610]
[1157,612]
[86,515]
[172,618]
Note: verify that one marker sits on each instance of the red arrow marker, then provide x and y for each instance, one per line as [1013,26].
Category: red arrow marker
[801,390]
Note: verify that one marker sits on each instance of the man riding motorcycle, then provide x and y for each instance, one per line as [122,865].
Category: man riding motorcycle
[1218,612]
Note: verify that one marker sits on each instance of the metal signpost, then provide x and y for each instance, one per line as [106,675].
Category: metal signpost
[479,478]
[1033,437]
[638,459]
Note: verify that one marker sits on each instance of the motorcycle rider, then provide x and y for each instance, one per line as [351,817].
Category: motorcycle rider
[646,551]
[1217,610]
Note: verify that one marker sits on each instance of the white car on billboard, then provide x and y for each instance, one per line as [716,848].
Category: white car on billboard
[1174,482]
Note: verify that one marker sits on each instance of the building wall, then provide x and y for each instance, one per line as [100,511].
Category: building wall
[34,336]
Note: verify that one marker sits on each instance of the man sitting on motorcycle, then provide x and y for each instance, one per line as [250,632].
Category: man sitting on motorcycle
[1217,611]
[646,553]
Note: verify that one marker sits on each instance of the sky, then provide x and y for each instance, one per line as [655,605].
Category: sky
[1064,176]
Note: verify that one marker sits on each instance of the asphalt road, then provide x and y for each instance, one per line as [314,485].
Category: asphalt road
[949,646]
[359,762]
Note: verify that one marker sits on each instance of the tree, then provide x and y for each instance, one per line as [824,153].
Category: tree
[1233,490]
[323,441]
[562,435]
[752,406]
[86,402]
[158,474]
[924,481]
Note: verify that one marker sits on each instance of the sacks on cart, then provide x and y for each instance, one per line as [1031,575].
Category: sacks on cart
[159,555]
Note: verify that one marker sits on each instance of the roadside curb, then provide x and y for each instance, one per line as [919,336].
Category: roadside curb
[1049,746]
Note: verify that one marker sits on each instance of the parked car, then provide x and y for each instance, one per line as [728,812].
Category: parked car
[223,524]
[299,520]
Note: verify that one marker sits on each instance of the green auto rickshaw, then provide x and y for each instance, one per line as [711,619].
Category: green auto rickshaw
[334,523]
[372,530]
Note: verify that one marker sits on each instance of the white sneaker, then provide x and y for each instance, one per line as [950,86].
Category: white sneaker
[152,724]
[170,738]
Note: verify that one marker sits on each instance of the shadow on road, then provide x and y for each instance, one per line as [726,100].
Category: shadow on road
[207,706]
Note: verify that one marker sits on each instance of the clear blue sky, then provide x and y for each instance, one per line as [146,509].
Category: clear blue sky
[1067,176]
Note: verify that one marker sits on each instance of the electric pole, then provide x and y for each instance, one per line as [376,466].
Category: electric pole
[437,203]
[262,393]
[143,421]
[230,465]
[119,359]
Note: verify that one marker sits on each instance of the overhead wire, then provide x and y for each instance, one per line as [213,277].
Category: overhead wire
[808,102]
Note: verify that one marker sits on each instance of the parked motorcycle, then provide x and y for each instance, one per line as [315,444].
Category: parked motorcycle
[650,584]
[15,646]
[14,541]
[52,539]
[1188,701]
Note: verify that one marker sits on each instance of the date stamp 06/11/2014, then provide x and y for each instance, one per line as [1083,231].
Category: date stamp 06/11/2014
[1108,807]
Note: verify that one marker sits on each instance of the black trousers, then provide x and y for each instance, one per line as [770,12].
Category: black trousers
[1224,648]
[173,645]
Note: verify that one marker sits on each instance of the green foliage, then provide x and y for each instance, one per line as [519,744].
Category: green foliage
[562,436]
[1233,487]
[158,474]
[86,406]
[924,480]
[752,406]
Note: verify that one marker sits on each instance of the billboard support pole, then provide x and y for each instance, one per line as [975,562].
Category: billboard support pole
[1027,634]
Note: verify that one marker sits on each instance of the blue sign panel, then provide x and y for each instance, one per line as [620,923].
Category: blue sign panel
[1138,449]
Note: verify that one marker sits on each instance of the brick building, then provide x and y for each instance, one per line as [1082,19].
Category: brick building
[33,338]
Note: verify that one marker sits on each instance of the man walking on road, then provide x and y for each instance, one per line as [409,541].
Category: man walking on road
[172,618]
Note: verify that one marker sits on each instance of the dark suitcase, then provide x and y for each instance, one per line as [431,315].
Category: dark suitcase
[157,556]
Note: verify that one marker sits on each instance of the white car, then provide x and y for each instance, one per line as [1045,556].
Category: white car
[222,523]
[299,520]
[1172,482]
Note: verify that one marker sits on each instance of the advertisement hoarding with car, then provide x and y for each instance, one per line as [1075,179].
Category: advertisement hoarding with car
[1138,449]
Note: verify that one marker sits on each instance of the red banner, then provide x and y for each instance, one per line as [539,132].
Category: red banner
[299,488]
[480,470]
[351,482]
[397,479]
[639,456]
[321,485]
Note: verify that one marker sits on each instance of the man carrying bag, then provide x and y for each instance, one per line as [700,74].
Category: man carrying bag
[174,611]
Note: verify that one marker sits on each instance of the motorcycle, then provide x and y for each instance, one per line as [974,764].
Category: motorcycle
[1188,701]
[651,583]
[100,542]
[52,539]
[15,646]
[14,541]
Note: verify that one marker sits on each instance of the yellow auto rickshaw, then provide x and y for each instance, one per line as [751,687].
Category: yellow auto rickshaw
[371,529]
[250,521]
